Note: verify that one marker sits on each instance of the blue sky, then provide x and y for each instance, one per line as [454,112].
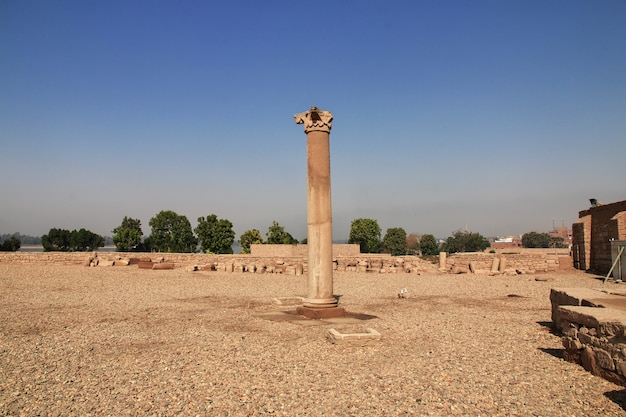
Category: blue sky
[502,116]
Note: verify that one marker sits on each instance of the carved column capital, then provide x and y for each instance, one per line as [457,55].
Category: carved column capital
[315,120]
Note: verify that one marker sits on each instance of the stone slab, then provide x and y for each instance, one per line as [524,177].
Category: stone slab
[370,336]
[592,317]
[293,317]
[588,297]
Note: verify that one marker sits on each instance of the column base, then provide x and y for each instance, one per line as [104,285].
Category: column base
[320,302]
[321,313]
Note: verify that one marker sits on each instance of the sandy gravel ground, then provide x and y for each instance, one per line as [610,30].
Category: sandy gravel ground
[121,341]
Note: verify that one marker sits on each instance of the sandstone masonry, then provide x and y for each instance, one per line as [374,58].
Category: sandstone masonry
[292,259]
[593,325]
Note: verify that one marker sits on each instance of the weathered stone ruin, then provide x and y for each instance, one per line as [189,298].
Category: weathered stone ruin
[593,325]
[292,260]
[503,264]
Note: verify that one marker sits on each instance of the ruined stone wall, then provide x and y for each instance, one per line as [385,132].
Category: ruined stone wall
[593,325]
[295,265]
[379,263]
[512,264]
[300,250]
[606,223]
[534,251]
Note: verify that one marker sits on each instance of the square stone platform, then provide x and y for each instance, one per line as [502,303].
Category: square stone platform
[292,316]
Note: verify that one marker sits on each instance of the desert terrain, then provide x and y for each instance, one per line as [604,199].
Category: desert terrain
[122,341]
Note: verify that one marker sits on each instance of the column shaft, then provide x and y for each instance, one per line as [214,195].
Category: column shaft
[319,222]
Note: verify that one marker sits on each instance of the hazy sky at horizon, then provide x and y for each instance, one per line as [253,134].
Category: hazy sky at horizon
[504,117]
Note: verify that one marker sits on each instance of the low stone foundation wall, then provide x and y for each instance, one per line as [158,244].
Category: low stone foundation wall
[295,265]
[300,250]
[510,264]
[593,325]
[477,263]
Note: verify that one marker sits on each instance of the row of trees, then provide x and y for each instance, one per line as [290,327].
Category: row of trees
[542,240]
[10,244]
[367,233]
[76,240]
[171,232]
[24,239]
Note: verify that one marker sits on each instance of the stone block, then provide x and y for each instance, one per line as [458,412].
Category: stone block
[571,344]
[588,359]
[620,367]
[604,360]
[370,336]
[122,262]
[585,338]
[163,265]
[607,322]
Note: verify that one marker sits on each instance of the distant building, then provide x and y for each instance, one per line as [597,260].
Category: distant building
[506,242]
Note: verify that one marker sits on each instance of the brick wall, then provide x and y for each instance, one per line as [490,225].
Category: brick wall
[617,226]
[607,222]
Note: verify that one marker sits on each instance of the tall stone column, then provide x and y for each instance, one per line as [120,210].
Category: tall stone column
[320,301]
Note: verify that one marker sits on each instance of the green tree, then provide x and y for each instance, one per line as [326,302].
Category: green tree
[24,239]
[250,237]
[413,243]
[56,240]
[146,245]
[172,233]
[465,242]
[215,235]
[85,240]
[366,233]
[536,240]
[429,245]
[12,244]
[127,236]
[277,235]
[394,241]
